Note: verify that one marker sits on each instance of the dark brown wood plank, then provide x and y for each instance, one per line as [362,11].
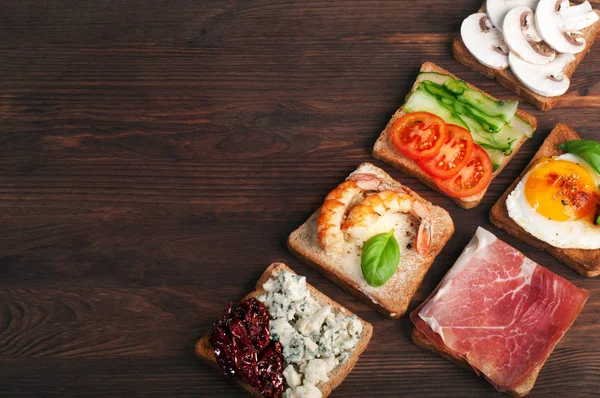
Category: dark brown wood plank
[154,156]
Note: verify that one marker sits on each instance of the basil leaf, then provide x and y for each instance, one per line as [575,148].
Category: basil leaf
[593,159]
[588,150]
[380,258]
[578,146]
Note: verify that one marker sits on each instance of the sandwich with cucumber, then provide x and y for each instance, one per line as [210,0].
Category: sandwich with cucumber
[452,136]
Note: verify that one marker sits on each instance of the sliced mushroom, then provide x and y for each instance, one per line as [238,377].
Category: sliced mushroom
[547,80]
[529,28]
[575,18]
[484,41]
[522,38]
[497,9]
[558,26]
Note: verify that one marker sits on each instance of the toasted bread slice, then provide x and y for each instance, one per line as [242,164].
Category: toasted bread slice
[393,298]
[205,351]
[510,81]
[385,151]
[585,262]
[422,341]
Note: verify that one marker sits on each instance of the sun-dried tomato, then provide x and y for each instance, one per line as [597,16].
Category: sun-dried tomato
[242,343]
[270,370]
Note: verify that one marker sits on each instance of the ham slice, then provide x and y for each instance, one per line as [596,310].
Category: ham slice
[499,311]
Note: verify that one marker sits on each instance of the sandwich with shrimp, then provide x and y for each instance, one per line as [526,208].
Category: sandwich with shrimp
[375,238]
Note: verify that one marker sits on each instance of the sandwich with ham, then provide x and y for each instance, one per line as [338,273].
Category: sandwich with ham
[498,313]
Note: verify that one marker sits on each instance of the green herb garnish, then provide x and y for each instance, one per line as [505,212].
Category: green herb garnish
[380,258]
[588,150]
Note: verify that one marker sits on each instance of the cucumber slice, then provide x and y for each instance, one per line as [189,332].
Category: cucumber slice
[496,157]
[501,109]
[488,106]
[490,124]
[483,138]
[521,125]
[422,101]
[442,93]
[504,140]
[508,137]
[438,78]
[438,90]
[458,87]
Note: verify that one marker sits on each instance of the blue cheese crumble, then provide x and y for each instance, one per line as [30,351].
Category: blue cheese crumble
[314,339]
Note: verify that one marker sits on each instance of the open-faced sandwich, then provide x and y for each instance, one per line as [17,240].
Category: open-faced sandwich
[555,204]
[375,238]
[531,47]
[285,339]
[452,136]
[497,313]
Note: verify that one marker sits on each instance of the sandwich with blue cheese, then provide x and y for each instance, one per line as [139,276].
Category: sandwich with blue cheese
[285,339]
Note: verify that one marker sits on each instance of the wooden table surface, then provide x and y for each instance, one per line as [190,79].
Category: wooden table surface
[155,155]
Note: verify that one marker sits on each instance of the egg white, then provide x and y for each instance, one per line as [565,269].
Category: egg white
[577,234]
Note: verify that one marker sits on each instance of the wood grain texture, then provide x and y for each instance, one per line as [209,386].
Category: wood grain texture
[155,155]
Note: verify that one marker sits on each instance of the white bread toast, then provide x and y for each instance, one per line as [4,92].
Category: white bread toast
[393,298]
[510,81]
[205,351]
[521,390]
[384,149]
[585,262]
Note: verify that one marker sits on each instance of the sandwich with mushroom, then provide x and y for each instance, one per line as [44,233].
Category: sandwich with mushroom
[530,46]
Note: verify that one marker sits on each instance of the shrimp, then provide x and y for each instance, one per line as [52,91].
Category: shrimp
[336,205]
[334,225]
[333,212]
[364,215]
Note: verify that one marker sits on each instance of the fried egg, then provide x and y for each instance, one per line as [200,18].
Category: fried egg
[557,202]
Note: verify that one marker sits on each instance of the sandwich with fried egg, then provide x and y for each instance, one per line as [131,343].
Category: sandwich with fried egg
[554,204]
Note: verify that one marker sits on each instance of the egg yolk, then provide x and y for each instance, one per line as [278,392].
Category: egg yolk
[561,190]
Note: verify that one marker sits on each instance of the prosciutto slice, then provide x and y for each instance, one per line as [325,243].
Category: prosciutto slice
[499,311]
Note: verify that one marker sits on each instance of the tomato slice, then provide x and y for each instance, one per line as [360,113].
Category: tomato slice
[452,156]
[419,135]
[473,178]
